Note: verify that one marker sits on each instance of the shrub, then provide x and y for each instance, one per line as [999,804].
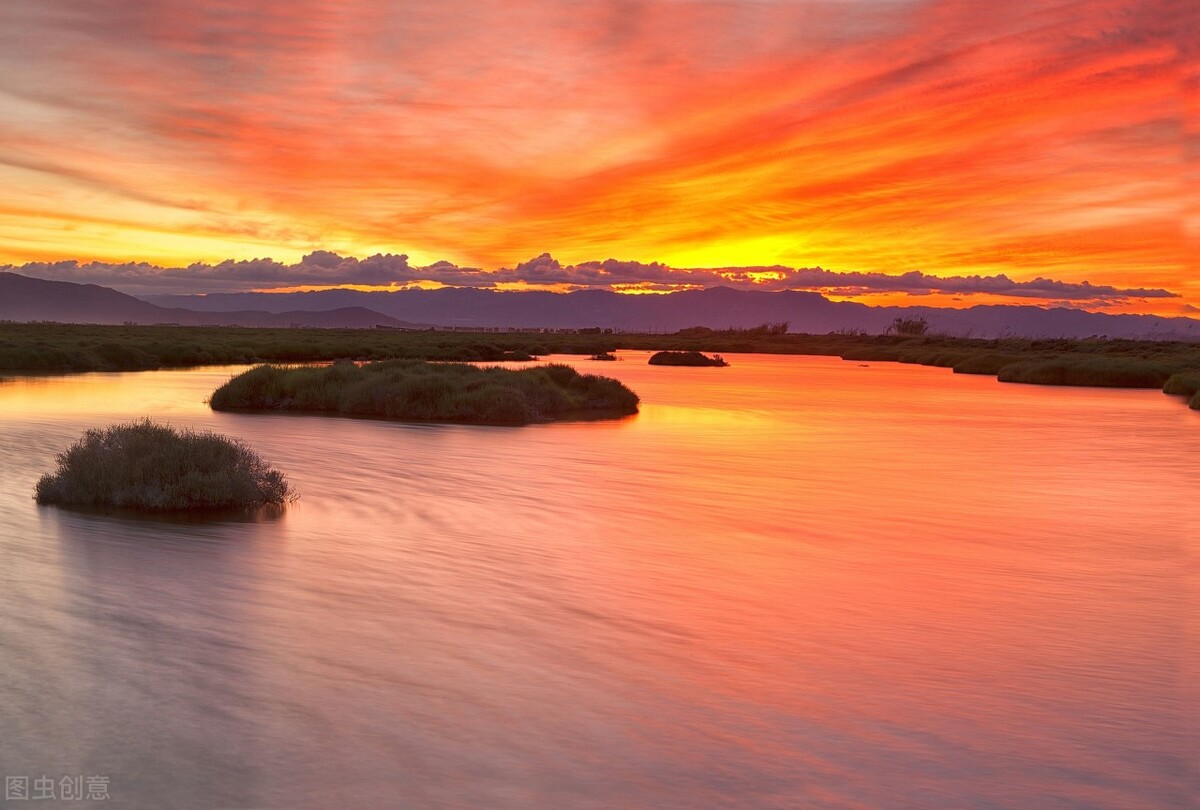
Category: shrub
[913,326]
[686,359]
[1185,383]
[141,465]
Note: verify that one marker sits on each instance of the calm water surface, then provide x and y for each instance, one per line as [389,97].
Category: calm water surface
[794,582]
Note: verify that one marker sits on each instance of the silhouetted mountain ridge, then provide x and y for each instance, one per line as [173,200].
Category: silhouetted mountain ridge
[716,307]
[30,299]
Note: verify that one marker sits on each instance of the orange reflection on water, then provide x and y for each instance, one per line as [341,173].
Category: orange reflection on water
[180,393]
[791,582]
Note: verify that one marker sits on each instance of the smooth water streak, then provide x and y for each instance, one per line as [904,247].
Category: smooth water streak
[792,582]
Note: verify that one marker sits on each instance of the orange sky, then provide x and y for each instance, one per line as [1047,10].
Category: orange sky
[1034,139]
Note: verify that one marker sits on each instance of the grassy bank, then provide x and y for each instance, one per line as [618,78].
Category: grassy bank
[153,468]
[1089,371]
[60,348]
[1185,384]
[429,392]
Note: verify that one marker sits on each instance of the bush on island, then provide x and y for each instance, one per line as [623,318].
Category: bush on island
[686,359]
[149,467]
[414,390]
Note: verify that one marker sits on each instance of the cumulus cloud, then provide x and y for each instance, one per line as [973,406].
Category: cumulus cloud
[323,268]
[319,268]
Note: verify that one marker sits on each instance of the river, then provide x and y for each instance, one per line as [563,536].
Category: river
[792,582]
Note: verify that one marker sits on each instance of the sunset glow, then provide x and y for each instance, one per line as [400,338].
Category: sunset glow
[1039,139]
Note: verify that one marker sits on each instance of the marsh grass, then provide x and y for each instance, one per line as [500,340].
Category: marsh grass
[1106,372]
[60,348]
[1186,384]
[57,348]
[944,358]
[686,358]
[988,363]
[149,467]
[429,392]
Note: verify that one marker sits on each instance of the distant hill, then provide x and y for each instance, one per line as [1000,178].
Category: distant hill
[31,299]
[718,307]
[341,318]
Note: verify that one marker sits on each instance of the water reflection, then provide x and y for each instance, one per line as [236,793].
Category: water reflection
[790,582]
[161,659]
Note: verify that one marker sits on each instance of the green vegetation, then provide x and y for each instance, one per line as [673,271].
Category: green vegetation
[1109,372]
[1187,384]
[154,468]
[434,392]
[984,363]
[668,358]
[1173,366]
[58,348]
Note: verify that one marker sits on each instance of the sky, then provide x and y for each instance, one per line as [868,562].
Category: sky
[941,152]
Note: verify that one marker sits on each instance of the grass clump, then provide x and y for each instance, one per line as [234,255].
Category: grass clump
[669,358]
[1186,384]
[429,392]
[155,468]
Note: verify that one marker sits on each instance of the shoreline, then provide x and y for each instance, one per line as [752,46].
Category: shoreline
[53,349]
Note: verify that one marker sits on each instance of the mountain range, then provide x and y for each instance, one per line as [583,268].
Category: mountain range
[28,299]
[31,299]
[716,307]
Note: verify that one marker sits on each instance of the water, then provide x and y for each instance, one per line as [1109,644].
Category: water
[793,582]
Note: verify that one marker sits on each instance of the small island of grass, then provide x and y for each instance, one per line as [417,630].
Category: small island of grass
[1186,384]
[414,390]
[154,468]
[608,356]
[686,359]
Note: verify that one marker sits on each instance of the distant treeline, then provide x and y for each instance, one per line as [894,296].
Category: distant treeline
[1169,365]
